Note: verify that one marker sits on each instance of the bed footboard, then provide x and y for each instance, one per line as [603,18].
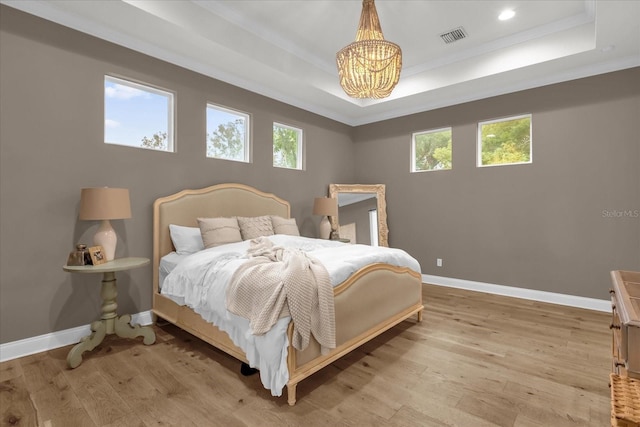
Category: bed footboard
[373,300]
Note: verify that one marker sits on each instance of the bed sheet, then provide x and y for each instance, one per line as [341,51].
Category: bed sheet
[167,264]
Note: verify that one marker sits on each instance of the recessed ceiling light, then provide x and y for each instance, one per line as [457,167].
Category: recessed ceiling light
[506,14]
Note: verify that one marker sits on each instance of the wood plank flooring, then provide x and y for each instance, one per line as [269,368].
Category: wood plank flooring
[476,360]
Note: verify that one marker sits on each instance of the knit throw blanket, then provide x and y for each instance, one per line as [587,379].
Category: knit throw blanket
[277,282]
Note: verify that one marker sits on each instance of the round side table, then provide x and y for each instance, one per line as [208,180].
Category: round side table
[110,322]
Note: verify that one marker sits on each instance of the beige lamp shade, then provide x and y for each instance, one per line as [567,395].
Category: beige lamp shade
[325,206]
[104,203]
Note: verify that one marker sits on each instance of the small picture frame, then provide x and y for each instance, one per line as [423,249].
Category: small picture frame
[97,255]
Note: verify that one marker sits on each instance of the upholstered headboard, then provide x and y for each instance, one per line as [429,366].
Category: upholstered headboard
[223,200]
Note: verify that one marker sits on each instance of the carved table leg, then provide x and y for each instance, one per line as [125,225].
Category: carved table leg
[109,324]
[109,294]
[125,330]
[88,343]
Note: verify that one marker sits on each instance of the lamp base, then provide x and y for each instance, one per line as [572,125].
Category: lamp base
[325,228]
[106,237]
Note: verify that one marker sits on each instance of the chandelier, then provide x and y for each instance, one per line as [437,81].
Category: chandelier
[370,66]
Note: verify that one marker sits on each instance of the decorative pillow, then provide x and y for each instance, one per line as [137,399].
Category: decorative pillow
[285,226]
[186,240]
[252,227]
[219,231]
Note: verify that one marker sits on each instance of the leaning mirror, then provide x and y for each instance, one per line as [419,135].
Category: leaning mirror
[362,213]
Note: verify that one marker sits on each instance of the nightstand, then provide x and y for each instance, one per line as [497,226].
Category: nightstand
[110,322]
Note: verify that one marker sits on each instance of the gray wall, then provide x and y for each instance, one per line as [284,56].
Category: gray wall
[550,225]
[51,145]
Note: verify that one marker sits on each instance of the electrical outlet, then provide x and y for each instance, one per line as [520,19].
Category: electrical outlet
[439,262]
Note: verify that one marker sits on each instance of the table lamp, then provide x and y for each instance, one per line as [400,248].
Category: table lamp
[327,207]
[105,204]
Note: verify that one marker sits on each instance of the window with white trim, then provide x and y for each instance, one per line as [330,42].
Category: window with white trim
[137,115]
[287,147]
[431,150]
[227,134]
[505,141]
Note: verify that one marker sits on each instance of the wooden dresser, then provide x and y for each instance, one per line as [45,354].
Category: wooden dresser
[625,303]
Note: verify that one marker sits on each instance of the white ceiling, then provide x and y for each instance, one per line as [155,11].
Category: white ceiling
[286,49]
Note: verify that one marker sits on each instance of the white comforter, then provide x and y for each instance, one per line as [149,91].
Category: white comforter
[201,279]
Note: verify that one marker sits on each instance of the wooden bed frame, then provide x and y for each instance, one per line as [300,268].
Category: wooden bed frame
[371,301]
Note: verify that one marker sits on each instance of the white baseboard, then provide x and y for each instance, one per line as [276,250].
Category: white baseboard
[530,294]
[27,346]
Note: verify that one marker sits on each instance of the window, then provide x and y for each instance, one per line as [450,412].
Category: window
[287,147]
[505,141]
[431,150]
[136,115]
[227,134]
[373,227]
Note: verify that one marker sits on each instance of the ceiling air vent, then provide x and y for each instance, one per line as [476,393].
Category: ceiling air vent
[453,35]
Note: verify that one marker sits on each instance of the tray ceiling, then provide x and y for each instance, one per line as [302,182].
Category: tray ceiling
[286,49]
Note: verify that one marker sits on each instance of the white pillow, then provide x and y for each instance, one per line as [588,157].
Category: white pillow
[186,240]
[285,226]
[257,226]
[219,231]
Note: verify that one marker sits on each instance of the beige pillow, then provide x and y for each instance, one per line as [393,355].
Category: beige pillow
[285,226]
[219,231]
[252,227]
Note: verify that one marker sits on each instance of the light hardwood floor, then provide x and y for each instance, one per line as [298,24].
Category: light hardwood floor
[476,360]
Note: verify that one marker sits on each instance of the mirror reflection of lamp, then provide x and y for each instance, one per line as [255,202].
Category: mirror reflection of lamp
[104,204]
[325,206]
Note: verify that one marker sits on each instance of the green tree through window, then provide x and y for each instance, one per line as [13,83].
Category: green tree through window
[227,134]
[506,141]
[158,141]
[227,141]
[287,147]
[432,150]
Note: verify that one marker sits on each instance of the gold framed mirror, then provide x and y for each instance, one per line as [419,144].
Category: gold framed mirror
[362,210]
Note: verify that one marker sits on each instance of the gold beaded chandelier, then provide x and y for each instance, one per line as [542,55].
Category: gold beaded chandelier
[370,66]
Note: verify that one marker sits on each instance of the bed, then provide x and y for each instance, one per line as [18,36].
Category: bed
[370,301]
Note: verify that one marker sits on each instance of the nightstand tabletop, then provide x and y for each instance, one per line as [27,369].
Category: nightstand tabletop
[118,264]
